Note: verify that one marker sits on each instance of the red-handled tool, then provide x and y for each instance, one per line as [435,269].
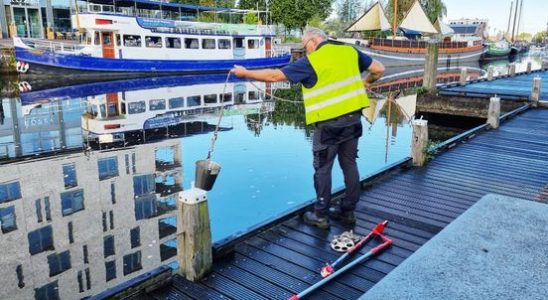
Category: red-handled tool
[328,269]
[386,243]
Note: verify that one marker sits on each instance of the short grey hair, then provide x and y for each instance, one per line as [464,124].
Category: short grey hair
[311,31]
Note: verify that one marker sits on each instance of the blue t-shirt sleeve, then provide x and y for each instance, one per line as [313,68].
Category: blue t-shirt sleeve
[301,71]
[364,61]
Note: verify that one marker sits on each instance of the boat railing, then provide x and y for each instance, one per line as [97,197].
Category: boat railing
[278,51]
[418,44]
[53,46]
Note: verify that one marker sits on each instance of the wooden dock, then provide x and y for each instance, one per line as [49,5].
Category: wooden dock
[285,258]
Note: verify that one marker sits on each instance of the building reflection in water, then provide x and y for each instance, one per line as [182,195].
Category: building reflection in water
[88,185]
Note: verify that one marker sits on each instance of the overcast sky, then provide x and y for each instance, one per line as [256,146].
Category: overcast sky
[534,17]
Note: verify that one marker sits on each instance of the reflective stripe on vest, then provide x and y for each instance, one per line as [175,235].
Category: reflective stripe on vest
[339,89]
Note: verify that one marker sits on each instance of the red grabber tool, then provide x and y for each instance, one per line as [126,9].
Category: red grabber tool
[386,243]
[329,268]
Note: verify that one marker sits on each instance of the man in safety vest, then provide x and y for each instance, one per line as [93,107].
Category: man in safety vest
[334,94]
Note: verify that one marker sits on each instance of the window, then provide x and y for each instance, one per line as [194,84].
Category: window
[127,163]
[192,44]
[239,43]
[88,279]
[193,101]
[173,43]
[110,270]
[176,102]
[157,104]
[70,232]
[7,219]
[226,97]
[118,40]
[167,204]
[85,254]
[40,240]
[153,41]
[113,192]
[252,44]
[133,164]
[145,207]
[72,202]
[69,176]
[143,184]
[208,43]
[80,282]
[167,226]
[132,40]
[132,262]
[108,243]
[38,206]
[9,191]
[135,237]
[48,291]
[168,249]
[97,38]
[239,98]
[224,44]
[210,99]
[108,167]
[137,107]
[252,95]
[111,215]
[47,208]
[58,263]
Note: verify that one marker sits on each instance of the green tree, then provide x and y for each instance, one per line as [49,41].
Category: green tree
[295,14]
[348,10]
[525,36]
[251,18]
[540,37]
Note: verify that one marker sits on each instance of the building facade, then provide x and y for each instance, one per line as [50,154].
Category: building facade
[31,18]
[76,224]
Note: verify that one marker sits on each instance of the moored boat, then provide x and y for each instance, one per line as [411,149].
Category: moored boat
[498,50]
[125,41]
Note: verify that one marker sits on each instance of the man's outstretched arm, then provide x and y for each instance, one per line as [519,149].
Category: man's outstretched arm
[375,72]
[266,75]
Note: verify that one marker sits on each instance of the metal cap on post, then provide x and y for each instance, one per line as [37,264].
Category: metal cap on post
[493,115]
[194,246]
[419,142]
[490,73]
[535,92]
[463,76]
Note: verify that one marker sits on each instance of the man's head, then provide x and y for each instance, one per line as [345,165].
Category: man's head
[312,37]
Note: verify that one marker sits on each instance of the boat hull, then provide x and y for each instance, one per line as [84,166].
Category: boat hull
[46,63]
[396,59]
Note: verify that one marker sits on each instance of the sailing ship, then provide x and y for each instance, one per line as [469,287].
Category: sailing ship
[401,51]
[498,50]
[132,38]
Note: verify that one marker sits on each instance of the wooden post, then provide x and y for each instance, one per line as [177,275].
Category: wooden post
[419,142]
[512,70]
[463,76]
[431,67]
[494,112]
[535,92]
[490,73]
[529,67]
[194,251]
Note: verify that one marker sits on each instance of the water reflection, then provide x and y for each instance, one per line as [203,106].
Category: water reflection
[90,173]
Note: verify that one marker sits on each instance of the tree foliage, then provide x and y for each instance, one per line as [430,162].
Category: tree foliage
[295,14]
[250,18]
[540,37]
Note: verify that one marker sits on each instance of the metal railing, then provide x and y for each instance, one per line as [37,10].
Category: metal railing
[53,46]
[278,51]
[419,44]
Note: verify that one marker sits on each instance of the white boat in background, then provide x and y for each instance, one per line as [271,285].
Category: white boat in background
[131,38]
[401,51]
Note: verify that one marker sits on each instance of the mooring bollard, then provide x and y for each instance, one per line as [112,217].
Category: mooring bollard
[463,76]
[512,70]
[431,67]
[490,73]
[493,114]
[419,143]
[535,91]
[194,251]
[529,67]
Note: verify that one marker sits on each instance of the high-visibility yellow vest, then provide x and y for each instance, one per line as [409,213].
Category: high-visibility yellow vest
[339,89]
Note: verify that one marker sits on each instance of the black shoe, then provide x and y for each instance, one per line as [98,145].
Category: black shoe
[311,218]
[345,217]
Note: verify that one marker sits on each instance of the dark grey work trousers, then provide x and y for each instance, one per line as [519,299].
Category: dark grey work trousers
[336,137]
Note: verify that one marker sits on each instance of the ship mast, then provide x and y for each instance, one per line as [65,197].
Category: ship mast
[510,17]
[519,18]
[515,19]
[395,20]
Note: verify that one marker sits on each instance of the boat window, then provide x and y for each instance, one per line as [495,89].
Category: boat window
[174,43]
[239,43]
[176,102]
[108,167]
[157,104]
[208,44]
[252,44]
[118,40]
[193,101]
[136,107]
[224,44]
[240,97]
[210,99]
[72,202]
[226,97]
[132,40]
[153,41]
[253,95]
[192,44]
[97,38]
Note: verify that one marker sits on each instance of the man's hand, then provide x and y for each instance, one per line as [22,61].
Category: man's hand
[376,70]
[239,71]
